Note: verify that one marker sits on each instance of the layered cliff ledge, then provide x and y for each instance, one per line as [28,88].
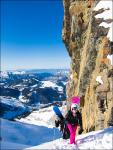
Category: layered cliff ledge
[91,72]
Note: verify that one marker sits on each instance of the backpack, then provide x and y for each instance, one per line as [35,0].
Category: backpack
[65,132]
[63,128]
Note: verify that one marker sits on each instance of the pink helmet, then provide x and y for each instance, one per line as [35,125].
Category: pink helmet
[75,102]
[75,99]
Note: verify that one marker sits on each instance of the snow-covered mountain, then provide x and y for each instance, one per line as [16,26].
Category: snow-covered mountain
[51,84]
[13,108]
[32,81]
[41,134]
[30,89]
[3,74]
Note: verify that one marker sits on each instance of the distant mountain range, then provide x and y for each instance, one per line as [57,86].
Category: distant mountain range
[31,88]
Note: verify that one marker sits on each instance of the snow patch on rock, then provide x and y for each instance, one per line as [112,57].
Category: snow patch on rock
[98,79]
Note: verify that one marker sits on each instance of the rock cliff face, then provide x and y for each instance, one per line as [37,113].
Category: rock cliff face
[91,72]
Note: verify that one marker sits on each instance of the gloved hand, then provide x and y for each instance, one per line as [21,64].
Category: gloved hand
[80,130]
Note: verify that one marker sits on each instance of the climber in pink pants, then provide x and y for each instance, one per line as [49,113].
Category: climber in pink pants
[73,119]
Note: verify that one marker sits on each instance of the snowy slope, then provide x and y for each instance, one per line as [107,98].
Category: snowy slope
[25,135]
[94,140]
[39,129]
[40,117]
[11,145]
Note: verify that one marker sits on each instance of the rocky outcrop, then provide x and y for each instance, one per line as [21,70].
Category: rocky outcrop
[88,47]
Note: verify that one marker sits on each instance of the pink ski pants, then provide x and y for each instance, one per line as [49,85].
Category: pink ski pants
[72,129]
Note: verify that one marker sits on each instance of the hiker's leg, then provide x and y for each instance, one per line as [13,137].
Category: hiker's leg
[74,132]
[74,128]
[72,138]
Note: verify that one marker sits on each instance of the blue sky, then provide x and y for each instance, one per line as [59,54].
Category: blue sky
[31,35]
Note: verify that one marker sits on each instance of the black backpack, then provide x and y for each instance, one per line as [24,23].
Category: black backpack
[63,128]
[65,133]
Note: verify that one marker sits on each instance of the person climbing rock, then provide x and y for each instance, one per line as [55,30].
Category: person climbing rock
[74,118]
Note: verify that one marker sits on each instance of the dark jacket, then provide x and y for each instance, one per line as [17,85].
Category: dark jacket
[77,120]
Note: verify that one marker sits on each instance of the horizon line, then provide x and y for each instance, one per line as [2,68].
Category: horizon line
[64,68]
